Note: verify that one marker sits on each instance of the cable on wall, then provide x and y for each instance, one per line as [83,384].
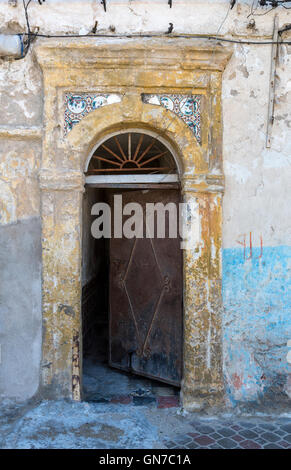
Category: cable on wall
[158,35]
[30,36]
[267,3]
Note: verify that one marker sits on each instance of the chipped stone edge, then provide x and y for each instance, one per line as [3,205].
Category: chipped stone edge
[27,133]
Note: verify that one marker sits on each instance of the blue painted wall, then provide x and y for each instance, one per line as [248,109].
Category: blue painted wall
[256,321]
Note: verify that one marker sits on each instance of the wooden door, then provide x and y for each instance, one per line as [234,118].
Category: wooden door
[146,297]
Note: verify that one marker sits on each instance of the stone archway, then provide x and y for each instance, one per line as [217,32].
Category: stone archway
[130,69]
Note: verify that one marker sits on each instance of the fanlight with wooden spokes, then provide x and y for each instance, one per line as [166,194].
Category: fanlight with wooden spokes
[131,152]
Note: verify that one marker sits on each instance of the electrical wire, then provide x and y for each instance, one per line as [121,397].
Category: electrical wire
[252,8]
[220,26]
[157,35]
[275,3]
[270,3]
[29,38]
[263,14]
[224,19]
[32,36]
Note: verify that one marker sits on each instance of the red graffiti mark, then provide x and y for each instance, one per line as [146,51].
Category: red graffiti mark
[243,243]
[251,247]
[261,245]
[237,381]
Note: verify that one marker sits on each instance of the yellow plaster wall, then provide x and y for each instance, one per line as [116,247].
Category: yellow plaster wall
[131,69]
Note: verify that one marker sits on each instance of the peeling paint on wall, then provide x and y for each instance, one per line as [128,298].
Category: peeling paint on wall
[257,322]
[7,204]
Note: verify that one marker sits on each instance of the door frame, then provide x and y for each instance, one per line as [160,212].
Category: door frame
[130,68]
[141,186]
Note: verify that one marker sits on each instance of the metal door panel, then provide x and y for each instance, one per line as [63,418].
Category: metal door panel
[146,312]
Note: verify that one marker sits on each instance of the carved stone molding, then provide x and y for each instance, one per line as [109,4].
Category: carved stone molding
[23,133]
[130,68]
[158,53]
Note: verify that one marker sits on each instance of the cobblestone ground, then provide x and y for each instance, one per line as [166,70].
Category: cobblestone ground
[249,433]
[134,424]
[160,404]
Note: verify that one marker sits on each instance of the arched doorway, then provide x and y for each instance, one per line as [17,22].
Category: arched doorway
[132,269]
[130,69]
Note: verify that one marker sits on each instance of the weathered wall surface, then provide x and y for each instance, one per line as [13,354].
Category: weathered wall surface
[20,257]
[20,305]
[256,286]
[20,227]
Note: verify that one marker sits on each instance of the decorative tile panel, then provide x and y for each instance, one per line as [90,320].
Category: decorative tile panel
[78,105]
[187,107]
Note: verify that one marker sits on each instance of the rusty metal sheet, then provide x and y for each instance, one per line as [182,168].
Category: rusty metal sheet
[146,296]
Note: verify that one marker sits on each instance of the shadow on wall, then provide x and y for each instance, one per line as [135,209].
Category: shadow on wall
[20,308]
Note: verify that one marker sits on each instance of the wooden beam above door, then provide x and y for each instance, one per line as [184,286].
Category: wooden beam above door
[155,181]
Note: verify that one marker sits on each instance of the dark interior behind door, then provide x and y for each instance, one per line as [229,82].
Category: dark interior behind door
[145,299]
